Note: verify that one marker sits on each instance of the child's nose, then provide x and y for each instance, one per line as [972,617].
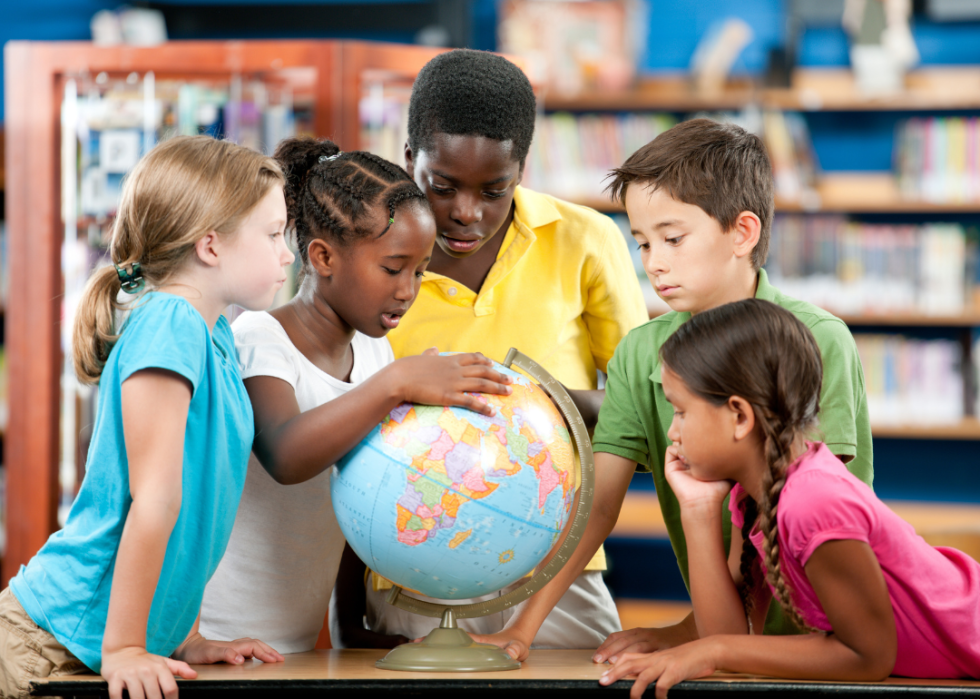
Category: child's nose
[654,263]
[467,210]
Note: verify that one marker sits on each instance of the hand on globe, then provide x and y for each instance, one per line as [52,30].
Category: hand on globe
[434,379]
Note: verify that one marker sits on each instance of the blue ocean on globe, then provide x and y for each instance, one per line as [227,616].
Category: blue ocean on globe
[454,504]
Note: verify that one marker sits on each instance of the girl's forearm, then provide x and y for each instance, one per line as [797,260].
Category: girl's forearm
[309,443]
[814,656]
[718,608]
[139,560]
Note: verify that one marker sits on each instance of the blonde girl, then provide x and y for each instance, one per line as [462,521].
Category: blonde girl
[871,597]
[118,590]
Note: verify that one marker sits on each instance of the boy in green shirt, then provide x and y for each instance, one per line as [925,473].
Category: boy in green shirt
[700,204]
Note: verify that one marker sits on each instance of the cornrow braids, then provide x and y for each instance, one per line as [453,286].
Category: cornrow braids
[336,196]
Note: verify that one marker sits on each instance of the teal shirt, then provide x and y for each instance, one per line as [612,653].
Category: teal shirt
[635,414]
[65,588]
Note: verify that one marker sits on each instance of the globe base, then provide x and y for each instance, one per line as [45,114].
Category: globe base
[448,649]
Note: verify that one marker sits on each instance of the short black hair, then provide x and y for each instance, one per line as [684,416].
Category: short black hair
[472,93]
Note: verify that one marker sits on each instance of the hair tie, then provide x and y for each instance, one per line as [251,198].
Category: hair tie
[391,218]
[328,158]
[132,280]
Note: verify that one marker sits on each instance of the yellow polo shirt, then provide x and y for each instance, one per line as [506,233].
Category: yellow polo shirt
[563,291]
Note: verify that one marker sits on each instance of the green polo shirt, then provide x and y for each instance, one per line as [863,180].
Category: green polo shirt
[636,415]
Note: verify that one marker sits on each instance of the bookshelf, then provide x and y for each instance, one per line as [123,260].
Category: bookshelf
[843,192]
[327,74]
[867,196]
[812,89]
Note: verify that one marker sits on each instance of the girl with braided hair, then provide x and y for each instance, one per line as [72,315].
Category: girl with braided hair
[321,375]
[871,597]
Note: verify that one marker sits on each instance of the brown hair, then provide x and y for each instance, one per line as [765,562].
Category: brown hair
[761,352]
[337,196]
[177,193]
[721,168]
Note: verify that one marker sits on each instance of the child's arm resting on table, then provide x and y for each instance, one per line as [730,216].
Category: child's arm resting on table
[155,403]
[197,650]
[862,646]
[295,446]
[612,478]
[718,607]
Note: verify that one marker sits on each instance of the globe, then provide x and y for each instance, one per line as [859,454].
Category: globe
[454,504]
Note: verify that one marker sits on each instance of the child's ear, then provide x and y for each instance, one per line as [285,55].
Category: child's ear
[743,417]
[746,232]
[409,161]
[208,248]
[322,256]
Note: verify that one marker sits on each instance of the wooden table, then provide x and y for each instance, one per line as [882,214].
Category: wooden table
[570,674]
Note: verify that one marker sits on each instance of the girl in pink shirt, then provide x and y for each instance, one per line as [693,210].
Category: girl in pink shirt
[872,596]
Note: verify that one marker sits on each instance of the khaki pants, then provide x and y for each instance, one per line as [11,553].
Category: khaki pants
[27,651]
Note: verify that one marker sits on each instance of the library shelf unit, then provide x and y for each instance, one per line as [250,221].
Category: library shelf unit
[928,90]
[331,74]
[844,192]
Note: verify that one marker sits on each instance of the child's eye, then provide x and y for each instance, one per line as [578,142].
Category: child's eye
[674,241]
[420,275]
[495,195]
[441,190]
[390,271]
[643,246]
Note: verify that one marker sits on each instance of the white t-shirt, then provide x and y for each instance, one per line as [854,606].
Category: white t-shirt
[275,579]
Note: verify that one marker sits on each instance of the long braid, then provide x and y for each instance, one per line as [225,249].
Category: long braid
[779,441]
[748,563]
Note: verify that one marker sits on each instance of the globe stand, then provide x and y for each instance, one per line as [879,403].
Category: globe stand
[449,648]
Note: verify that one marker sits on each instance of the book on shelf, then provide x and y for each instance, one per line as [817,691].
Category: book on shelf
[913,382]
[572,154]
[872,269]
[937,159]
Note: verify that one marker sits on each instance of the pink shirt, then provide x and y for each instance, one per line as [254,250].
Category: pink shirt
[934,591]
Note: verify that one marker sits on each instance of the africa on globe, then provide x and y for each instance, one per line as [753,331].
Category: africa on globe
[454,504]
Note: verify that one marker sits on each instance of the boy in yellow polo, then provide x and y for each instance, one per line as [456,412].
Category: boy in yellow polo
[700,203]
[511,268]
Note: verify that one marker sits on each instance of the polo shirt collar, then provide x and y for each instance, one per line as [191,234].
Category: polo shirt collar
[763,290]
[534,210]
[531,211]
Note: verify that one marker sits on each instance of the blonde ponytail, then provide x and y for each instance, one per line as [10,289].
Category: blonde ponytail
[177,193]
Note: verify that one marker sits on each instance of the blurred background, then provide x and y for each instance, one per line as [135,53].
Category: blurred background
[869,109]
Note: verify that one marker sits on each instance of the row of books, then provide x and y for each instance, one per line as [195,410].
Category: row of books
[858,268]
[912,381]
[937,159]
[571,155]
